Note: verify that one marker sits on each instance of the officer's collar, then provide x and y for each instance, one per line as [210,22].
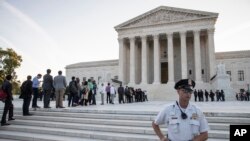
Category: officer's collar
[189,107]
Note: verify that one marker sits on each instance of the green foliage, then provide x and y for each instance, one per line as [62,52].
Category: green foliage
[9,61]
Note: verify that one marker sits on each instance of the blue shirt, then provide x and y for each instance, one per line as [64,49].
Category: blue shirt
[36,83]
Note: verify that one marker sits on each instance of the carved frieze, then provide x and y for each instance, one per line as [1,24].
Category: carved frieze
[164,16]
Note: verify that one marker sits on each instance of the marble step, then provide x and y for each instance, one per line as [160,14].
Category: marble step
[81,133]
[106,128]
[104,135]
[134,123]
[124,112]
[229,120]
[98,127]
[24,136]
[89,127]
[91,115]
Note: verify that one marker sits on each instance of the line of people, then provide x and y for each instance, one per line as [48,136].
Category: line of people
[199,95]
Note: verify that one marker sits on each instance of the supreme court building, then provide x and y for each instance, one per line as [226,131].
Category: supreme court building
[157,49]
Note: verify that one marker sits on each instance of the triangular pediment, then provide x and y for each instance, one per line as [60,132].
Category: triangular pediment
[164,14]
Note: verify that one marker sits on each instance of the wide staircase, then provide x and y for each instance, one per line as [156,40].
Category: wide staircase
[99,125]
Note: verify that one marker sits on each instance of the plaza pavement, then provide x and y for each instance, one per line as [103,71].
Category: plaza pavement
[155,106]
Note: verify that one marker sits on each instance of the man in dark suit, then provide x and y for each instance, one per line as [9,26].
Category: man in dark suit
[8,106]
[26,94]
[121,94]
[47,88]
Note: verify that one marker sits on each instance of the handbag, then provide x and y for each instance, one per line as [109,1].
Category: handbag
[3,95]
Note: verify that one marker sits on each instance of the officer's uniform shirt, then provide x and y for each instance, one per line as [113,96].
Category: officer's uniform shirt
[182,129]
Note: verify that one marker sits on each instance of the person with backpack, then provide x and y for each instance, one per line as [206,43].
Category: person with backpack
[26,95]
[8,106]
[73,92]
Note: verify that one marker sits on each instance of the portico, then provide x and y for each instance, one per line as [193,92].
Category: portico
[167,44]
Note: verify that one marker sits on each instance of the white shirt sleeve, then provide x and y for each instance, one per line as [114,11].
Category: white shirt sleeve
[162,116]
[203,122]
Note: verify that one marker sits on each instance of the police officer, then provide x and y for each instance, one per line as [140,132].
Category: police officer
[185,121]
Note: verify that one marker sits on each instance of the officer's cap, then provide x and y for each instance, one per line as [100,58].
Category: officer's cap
[186,84]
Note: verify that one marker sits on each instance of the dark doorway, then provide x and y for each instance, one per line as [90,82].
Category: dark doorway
[164,72]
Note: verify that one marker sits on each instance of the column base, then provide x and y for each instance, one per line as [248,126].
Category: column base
[156,83]
[131,84]
[143,83]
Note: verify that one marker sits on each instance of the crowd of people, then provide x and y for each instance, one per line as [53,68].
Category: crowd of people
[79,93]
[243,95]
[218,94]
[85,93]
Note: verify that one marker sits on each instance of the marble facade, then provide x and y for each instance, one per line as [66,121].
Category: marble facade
[158,48]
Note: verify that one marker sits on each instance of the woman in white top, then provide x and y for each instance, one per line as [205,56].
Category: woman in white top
[112,93]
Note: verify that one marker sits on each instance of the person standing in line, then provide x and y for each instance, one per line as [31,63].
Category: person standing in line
[47,88]
[26,94]
[73,92]
[112,94]
[206,95]
[94,93]
[211,95]
[35,87]
[127,94]
[60,85]
[8,106]
[185,121]
[90,85]
[86,93]
[102,92]
[121,94]
[145,95]
[78,86]
[107,89]
[195,95]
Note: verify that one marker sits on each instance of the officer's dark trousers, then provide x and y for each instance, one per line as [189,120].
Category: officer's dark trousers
[26,105]
[8,107]
[35,96]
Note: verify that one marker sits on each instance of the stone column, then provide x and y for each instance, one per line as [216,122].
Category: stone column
[132,60]
[144,67]
[156,60]
[211,52]
[183,55]
[121,59]
[170,58]
[197,55]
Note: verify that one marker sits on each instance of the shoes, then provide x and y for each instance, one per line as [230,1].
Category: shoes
[36,107]
[11,119]
[47,107]
[4,124]
[61,107]
[27,114]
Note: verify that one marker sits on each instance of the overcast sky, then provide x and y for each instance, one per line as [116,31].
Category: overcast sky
[55,33]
